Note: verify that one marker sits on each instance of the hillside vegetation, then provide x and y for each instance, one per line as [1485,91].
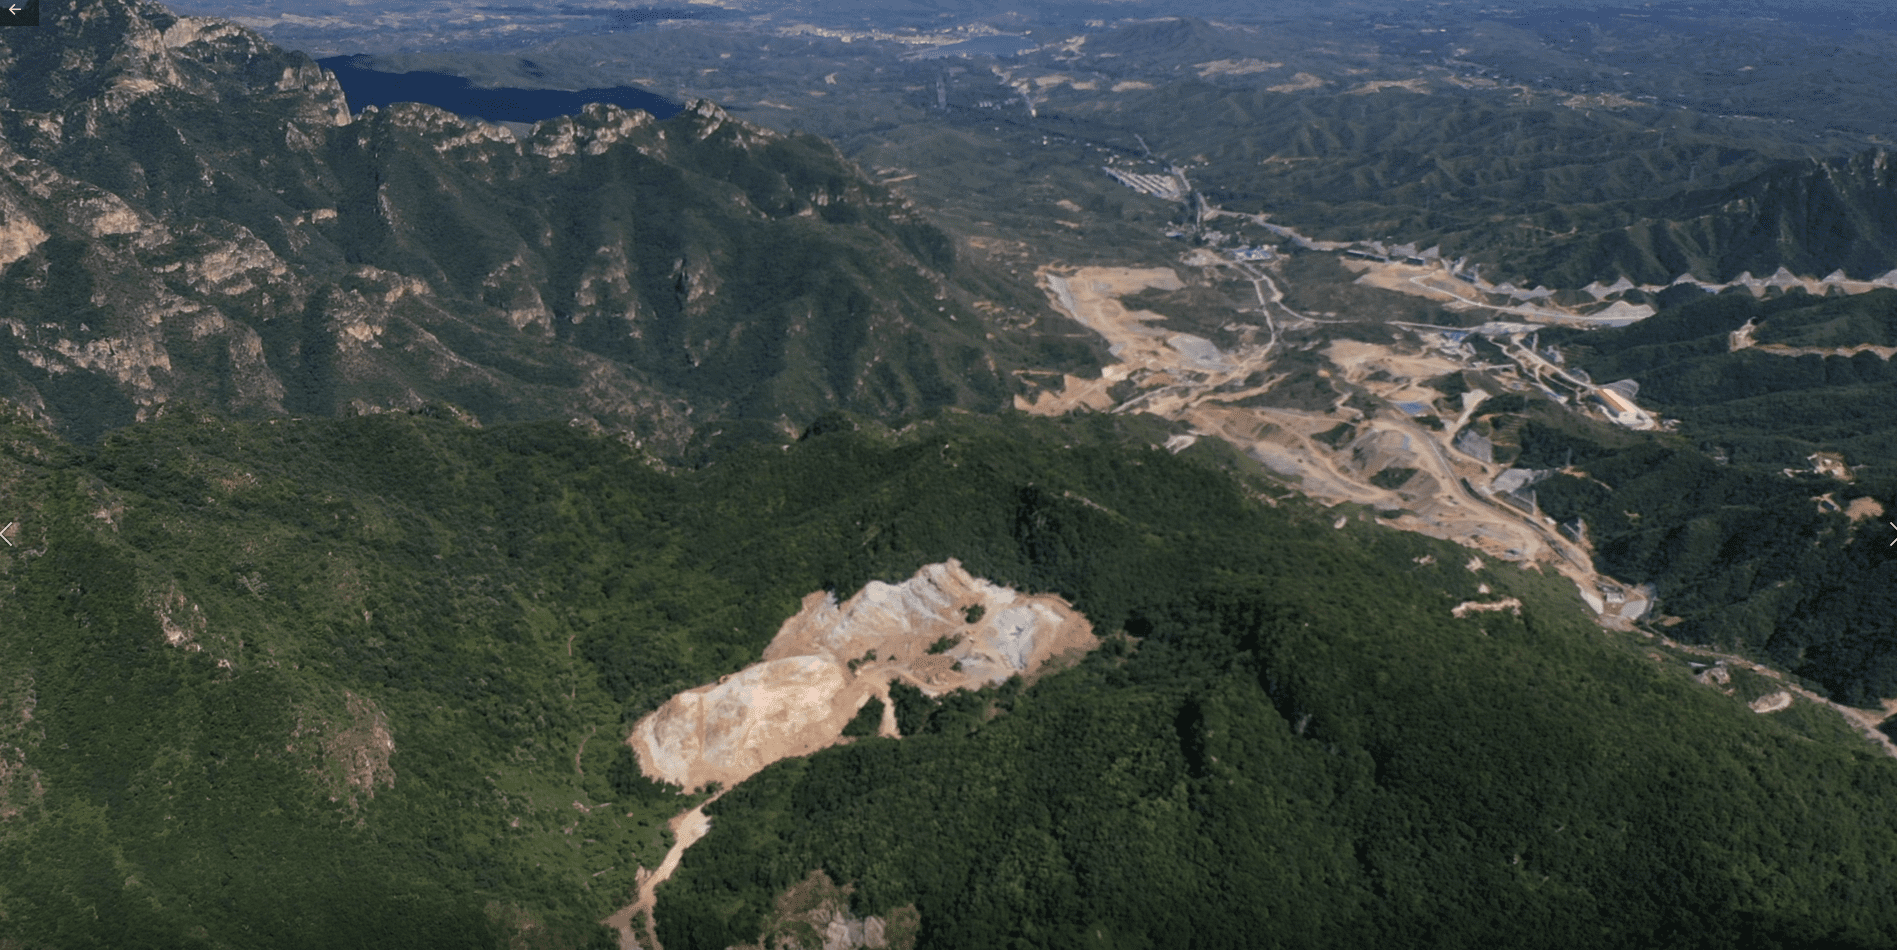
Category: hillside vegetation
[1732,519]
[1296,743]
[364,683]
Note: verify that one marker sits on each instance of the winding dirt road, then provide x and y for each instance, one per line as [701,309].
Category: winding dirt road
[687,827]
[1860,720]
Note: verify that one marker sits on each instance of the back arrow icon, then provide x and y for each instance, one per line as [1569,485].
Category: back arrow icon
[15,9]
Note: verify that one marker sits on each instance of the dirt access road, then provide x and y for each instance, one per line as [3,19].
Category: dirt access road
[687,827]
[1189,385]
[1863,721]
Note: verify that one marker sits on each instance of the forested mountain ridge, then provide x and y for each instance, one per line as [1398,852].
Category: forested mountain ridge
[1538,191]
[1810,218]
[190,213]
[1393,141]
[365,682]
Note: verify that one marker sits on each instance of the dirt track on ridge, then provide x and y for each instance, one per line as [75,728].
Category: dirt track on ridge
[687,827]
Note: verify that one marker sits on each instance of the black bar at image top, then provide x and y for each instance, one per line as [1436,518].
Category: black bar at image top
[19,12]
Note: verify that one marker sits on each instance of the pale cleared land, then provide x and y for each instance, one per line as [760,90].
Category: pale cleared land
[1235,67]
[1299,83]
[824,664]
[1864,721]
[1741,339]
[687,827]
[1435,282]
[1186,384]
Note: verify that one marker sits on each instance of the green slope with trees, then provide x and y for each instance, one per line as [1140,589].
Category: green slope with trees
[1726,517]
[1295,743]
[360,683]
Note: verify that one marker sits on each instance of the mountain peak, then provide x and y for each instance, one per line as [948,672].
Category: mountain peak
[188,213]
[706,117]
[103,57]
[593,130]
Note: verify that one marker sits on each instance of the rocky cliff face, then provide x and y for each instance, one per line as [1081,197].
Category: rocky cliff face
[188,213]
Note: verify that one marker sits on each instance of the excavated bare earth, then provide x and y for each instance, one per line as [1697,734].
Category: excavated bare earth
[1187,384]
[818,672]
[1208,391]
[800,696]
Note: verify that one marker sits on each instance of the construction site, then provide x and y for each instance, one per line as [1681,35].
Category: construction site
[1381,435]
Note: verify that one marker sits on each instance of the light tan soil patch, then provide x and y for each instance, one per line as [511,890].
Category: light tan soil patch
[1299,82]
[1468,607]
[1408,279]
[1435,283]
[687,828]
[1606,100]
[1864,721]
[1075,393]
[1830,463]
[1171,384]
[1235,67]
[1772,702]
[1417,85]
[1360,361]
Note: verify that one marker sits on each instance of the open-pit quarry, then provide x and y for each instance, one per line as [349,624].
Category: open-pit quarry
[1217,393]
[822,667]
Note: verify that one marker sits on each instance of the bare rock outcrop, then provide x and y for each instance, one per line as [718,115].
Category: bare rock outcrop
[356,753]
[814,914]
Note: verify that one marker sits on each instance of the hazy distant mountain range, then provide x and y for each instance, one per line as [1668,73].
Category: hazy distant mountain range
[192,214]
[464,448]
